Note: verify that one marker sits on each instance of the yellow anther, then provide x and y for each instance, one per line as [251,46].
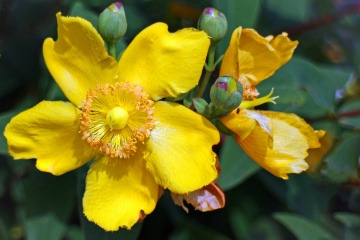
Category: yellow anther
[117,118]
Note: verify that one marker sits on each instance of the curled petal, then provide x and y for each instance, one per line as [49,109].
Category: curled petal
[208,198]
[252,58]
[284,47]
[49,132]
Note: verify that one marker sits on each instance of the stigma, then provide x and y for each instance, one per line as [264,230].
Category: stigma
[117,118]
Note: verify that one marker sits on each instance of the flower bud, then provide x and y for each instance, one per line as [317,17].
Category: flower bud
[225,95]
[112,23]
[214,23]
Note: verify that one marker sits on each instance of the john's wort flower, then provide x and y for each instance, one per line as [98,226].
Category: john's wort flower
[140,144]
[279,142]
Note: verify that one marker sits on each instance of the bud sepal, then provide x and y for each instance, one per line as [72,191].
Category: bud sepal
[201,106]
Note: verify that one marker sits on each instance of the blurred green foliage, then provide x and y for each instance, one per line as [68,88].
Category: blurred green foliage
[321,84]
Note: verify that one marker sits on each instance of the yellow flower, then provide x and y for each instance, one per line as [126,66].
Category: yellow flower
[279,142]
[251,58]
[139,144]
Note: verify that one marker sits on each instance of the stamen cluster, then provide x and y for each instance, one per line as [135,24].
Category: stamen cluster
[100,135]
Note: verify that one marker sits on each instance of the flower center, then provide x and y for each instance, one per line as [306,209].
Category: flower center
[115,118]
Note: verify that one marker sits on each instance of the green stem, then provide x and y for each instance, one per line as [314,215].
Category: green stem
[112,49]
[210,67]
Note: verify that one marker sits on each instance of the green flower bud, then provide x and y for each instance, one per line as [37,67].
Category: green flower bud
[225,95]
[214,23]
[112,23]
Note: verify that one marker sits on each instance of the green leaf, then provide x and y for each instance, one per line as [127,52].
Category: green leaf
[302,228]
[44,227]
[310,88]
[4,231]
[47,204]
[93,231]
[348,219]
[308,196]
[342,164]
[346,118]
[266,228]
[243,13]
[200,105]
[239,222]
[236,166]
[296,10]
[351,221]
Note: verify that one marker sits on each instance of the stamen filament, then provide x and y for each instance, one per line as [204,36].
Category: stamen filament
[258,101]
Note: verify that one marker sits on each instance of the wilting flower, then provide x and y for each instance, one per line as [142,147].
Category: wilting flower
[139,143]
[279,142]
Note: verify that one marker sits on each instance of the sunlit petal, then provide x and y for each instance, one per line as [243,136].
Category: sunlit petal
[118,192]
[78,59]
[49,132]
[179,150]
[165,64]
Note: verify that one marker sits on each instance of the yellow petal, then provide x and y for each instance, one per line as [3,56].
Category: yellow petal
[278,146]
[317,154]
[118,192]
[254,57]
[229,65]
[310,134]
[284,47]
[179,150]
[165,64]
[49,132]
[239,122]
[78,59]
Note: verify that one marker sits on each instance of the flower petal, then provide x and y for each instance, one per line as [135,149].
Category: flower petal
[282,150]
[295,121]
[284,47]
[49,132]
[78,59]
[179,150]
[208,198]
[254,57]
[229,63]
[119,191]
[165,64]
[239,123]
[317,154]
